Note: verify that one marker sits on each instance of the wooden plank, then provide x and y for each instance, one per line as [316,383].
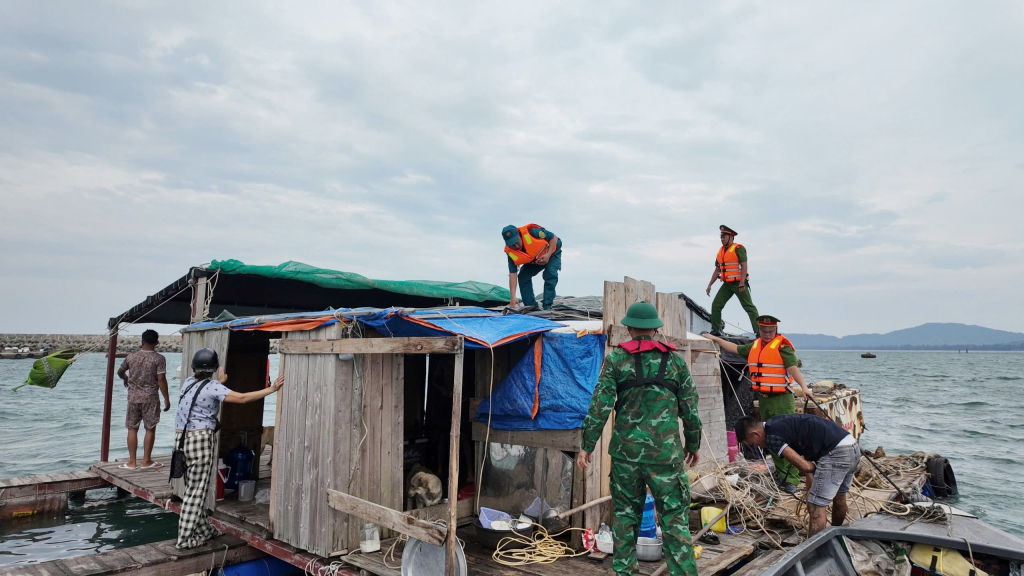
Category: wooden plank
[311,531]
[356,440]
[564,440]
[386,433]
[453,462]
[443,345]
[298,533]
[724,560]
[277,434]
[341,463]
[761,563]
[373,402]
[393,519]
[398,431]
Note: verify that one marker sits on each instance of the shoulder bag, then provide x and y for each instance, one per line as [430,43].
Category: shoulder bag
[178,466]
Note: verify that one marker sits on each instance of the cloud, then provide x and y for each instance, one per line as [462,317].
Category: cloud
[867,155]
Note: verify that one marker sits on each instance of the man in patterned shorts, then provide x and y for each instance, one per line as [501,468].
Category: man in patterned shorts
[144,373]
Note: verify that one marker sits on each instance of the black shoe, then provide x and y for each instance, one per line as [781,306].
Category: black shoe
[788,488]
[716,333]
[710,537]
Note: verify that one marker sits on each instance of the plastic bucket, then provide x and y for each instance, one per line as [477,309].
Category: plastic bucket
[246,490]
[709,512]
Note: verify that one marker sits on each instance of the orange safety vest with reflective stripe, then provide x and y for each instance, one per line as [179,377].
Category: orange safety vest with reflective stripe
[767,370]
[729,266]
[532,247]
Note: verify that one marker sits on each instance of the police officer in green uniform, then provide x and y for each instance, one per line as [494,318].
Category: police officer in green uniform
[731,269]
[650,387]
[772,362]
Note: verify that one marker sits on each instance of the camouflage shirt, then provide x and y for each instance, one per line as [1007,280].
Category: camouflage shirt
[646,429]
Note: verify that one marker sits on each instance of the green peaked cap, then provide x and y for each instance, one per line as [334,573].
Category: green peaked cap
[642,315]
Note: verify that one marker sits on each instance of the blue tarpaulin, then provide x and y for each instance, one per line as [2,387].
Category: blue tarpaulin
[570,366]
[481,328]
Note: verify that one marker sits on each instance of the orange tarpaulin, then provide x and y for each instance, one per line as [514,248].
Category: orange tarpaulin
[291,325]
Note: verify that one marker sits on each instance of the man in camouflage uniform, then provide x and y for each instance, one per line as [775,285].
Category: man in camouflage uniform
[645,445]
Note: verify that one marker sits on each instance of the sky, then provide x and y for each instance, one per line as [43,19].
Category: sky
[869,153]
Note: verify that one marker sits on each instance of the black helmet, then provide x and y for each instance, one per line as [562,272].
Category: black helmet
[205,360]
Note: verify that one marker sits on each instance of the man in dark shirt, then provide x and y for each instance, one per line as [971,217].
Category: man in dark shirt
[825,453]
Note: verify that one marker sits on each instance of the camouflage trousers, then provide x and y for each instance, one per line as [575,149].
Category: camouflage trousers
[671,490]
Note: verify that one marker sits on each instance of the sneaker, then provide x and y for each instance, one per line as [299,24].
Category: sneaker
[711,538]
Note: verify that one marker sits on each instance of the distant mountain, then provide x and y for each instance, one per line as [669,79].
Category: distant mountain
[932,335]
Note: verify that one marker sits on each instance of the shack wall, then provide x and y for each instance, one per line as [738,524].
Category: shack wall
[339,427]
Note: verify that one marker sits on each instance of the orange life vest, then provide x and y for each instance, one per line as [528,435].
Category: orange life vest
[532,247]
[729,267]
[767,371]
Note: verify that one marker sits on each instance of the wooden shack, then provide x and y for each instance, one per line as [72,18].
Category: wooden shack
[353,404]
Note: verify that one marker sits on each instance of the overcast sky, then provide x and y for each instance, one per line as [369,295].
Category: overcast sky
[869,154]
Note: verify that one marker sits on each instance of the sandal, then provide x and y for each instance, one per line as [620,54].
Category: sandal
[153,465]
[125,466]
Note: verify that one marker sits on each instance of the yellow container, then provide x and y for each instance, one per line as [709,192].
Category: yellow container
[709,512]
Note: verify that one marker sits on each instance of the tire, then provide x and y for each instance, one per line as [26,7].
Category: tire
[941,477]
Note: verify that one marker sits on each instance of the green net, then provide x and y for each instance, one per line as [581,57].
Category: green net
[469,290]
[47,370]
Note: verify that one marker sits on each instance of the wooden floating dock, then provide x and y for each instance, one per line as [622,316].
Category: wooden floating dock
[248,521]
[44,493]
[158,559]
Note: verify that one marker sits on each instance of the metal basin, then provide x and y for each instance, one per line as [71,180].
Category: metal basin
[422,559]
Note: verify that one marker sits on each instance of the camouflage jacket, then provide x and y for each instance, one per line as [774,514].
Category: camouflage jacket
[646,429]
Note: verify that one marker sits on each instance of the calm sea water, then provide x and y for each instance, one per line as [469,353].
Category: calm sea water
[43,431]
[967,407]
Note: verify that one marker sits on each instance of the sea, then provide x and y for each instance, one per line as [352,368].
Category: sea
[968,407]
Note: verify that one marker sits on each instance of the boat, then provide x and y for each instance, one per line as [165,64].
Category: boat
[935,538]
[867,355]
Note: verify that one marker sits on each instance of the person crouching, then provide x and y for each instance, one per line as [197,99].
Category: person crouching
[197,420]
[823,451]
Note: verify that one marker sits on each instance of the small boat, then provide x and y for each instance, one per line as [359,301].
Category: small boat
[867,355]
[956,540]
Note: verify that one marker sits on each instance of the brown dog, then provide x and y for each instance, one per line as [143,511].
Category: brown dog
[423,487]
[267,440]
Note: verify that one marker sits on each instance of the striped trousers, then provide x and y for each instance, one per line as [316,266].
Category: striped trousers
[193,527]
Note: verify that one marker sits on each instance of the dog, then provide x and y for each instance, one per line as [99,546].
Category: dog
[267,440]
[423,487]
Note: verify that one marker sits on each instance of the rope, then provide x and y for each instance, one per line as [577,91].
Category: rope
[541,548]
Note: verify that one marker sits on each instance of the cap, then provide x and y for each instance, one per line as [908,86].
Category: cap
[726,230]
[767,320]
[511,235]
[642,315]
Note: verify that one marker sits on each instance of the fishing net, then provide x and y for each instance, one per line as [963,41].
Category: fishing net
[47,370]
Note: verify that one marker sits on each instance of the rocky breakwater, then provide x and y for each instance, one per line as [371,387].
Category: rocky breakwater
[38,345]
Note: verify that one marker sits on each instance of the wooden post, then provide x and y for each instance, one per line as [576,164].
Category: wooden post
[453,463]
[108,397]
[198,311]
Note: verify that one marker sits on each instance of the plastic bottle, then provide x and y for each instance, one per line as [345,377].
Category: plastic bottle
[648,526]
[370,541]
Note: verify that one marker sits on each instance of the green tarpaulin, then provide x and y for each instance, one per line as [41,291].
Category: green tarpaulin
[471,291]
[47,370]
